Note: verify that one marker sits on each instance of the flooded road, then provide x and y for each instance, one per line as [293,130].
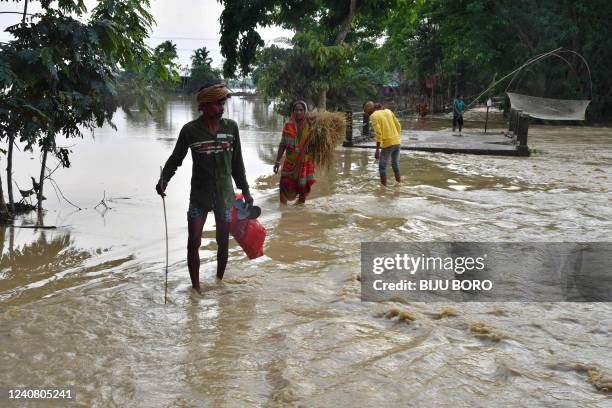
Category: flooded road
[83,305]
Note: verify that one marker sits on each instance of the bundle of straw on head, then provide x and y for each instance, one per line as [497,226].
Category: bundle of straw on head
[328,130]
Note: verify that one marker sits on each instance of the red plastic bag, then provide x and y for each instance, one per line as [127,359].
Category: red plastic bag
[249,234]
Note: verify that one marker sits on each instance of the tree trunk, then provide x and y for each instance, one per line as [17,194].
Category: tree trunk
[9,165]
[41,180]
[346,24]
[2,239]
[344,30]
[25,12]
[3,208]
[11,247]
[322,101]
[9,172]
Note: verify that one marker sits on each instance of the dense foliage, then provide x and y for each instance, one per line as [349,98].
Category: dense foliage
[463,44]
[471,42]
[61,72]
[320,62]
[305,70]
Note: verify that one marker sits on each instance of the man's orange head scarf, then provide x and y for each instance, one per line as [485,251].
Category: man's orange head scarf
[213,93]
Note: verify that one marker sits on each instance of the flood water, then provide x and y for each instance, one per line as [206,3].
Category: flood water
[83,305]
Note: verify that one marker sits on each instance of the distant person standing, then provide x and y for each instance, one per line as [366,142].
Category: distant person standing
[387,129]
[458,109]
[422,108]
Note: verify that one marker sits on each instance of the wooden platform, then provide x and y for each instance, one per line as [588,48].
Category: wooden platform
[494,144]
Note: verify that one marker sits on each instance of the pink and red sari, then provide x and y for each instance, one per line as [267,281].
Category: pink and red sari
[298,172]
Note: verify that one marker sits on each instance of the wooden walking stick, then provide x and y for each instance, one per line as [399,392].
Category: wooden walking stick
[166,225]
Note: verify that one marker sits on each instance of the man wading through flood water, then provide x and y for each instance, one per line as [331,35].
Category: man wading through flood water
[387,129]
[217,157]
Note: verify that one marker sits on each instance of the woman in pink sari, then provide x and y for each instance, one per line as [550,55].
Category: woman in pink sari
[297,173]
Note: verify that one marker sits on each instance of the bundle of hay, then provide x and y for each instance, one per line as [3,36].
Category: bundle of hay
[327,131]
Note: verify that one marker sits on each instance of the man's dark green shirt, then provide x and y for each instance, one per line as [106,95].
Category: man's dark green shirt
[216,159]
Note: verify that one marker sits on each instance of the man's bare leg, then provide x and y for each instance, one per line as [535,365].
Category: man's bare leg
[194,241]
[222,236]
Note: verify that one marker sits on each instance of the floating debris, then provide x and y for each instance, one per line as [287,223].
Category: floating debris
[402,315]
[498,311]
[481,330]
[445,312]
[599,380]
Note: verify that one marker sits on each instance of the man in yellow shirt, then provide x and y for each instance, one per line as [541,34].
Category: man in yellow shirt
[387,129]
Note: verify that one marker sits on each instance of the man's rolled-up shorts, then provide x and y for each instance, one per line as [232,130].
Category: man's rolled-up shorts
[197,211]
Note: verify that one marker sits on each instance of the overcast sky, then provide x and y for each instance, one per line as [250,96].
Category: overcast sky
[190,24]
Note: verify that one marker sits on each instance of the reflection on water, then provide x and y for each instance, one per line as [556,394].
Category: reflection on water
[251,114]
[82,305]
[180,110]
[267,153]
[36,264]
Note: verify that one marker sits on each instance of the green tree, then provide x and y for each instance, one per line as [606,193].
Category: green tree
[307,69]
[201,69]
[164,55]
[166,51]
[468,43]
[139,84]
[61,74]
[325,30]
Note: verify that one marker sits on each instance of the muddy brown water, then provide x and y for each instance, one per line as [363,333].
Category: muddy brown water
[82,305]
